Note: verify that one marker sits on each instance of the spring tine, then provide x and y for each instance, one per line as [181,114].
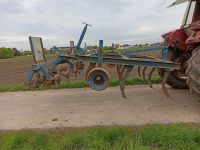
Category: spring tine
[118,68]
[90,67]
[164,83]
[143,73]
[150,76]
[122,71]
[139,71]
[122,90]
[119,71]
[123,79]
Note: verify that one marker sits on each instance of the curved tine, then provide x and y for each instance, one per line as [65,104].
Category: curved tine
[90,67]
[164,83]
[143,73]
[150,76]
[139,71]
[128,71]
[121,72]
[118,70]
[122,90]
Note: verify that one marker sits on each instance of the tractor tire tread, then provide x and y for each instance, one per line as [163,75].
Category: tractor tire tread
[193,73]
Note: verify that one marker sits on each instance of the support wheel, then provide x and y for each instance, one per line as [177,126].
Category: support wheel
[98,79]
[193,73]
[177,78]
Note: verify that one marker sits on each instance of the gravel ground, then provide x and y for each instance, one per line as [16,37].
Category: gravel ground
[84,107]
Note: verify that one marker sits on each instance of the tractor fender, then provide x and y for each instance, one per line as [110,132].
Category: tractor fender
[176,39]
[194,38]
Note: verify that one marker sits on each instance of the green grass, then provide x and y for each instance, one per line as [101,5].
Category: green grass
[78,84]
[13,87]
[152,137]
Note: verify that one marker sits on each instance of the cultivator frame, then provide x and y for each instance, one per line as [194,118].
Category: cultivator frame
[98,77]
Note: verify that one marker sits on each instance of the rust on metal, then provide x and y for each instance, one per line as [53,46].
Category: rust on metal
[139,71]
[144,73]
[164,83]
[150,76]
[127,70]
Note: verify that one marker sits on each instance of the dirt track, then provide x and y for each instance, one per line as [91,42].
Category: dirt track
[84,107]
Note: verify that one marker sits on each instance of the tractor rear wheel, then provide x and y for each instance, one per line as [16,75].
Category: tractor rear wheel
[193,73]
[177,78]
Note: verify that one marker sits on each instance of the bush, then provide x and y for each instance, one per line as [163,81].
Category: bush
[6,53]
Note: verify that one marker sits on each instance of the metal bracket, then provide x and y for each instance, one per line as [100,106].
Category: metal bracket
[164,53]
[100,53]
[37,68]
[78,47]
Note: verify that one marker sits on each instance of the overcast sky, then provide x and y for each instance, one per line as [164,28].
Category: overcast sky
[59,21]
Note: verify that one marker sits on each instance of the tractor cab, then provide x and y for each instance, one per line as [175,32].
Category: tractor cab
[189,33]
[192,13]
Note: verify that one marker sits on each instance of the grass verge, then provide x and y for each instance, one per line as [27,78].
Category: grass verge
[78,84]
[153,137]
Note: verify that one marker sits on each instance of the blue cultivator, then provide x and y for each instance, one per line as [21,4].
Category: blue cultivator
[98,78]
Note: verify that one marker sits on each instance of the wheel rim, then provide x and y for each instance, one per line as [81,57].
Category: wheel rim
[98,79]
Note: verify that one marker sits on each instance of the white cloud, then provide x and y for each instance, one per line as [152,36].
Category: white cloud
[60,21]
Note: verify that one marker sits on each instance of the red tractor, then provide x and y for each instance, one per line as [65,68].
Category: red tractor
[184,48]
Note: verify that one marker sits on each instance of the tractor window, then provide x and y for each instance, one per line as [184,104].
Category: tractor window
[191,13]
[186,14]
[197,12]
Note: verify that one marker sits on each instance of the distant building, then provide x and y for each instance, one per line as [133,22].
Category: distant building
[64,48]
[117,46]
[126,46]
[85,45]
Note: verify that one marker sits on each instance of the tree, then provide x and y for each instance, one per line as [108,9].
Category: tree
[6,53]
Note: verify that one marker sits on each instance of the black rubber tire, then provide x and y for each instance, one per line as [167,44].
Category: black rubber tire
[193,73]
[173,80]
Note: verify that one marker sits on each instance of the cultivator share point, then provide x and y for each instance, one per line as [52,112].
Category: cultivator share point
[98,78]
